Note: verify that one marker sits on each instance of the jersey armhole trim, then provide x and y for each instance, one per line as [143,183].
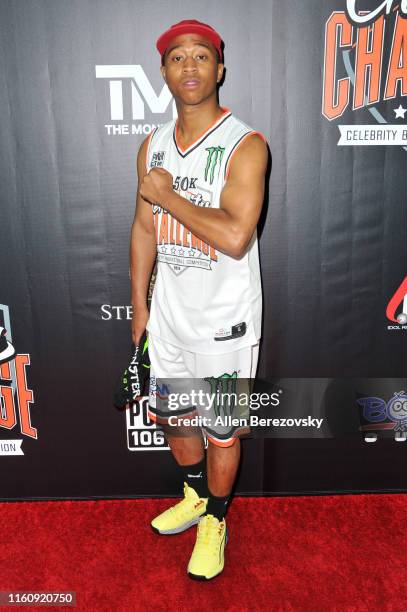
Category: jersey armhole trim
[235,148]
[148,147]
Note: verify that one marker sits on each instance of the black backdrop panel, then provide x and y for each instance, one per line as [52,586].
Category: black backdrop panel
[79,90]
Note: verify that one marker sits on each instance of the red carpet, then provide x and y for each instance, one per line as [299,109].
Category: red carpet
[342,552]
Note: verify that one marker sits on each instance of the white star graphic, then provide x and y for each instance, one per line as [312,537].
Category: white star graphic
[400,112]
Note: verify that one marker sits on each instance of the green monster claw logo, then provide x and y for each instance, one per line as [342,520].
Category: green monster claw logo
[145,347]
[221,386]
[215,154]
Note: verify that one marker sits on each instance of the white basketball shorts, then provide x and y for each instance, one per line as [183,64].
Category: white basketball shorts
[176,368]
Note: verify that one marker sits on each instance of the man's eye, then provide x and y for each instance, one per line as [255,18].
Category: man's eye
[176,58]
[202,56]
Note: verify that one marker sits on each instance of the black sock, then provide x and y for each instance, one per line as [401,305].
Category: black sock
[195,476]
[217,505]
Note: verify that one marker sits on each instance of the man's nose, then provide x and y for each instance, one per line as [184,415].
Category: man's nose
[189,64]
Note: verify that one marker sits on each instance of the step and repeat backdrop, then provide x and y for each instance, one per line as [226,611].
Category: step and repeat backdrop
[80,88]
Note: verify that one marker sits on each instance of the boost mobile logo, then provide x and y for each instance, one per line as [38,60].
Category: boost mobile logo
[14,392]
[377,414]
[142,93]
[400,297]
[355,57]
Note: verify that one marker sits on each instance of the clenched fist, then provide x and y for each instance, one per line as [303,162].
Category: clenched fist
[156,186]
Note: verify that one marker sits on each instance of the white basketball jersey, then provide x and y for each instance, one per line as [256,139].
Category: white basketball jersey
[203,301]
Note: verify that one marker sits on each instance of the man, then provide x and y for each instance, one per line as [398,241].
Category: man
[200,194]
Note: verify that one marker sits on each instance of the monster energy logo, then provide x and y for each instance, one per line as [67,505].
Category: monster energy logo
[223,389]
[131,374]
[215,154]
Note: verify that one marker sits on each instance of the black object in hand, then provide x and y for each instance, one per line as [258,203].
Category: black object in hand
[132,382]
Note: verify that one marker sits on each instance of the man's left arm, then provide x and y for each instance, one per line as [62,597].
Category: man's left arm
[229,228]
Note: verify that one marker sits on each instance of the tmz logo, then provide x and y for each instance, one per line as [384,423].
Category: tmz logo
[128,85]
[360,73]
[15,396]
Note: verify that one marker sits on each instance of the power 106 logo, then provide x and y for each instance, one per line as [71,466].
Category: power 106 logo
[365,71]
[15,396]
[142,432]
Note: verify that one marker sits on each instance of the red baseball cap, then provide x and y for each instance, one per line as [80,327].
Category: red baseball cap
[189,26]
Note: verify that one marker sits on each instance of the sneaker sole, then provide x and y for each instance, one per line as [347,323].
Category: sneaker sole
[204,578]
[176,530]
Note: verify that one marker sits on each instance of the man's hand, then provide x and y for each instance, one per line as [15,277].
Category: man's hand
[138,323]
[156,186]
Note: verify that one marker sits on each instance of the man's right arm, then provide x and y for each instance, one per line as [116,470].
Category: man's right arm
[142,252]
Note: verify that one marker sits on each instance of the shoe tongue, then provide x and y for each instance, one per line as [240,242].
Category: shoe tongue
[212,518]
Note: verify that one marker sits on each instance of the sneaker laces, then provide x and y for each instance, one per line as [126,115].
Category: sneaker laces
[209,533]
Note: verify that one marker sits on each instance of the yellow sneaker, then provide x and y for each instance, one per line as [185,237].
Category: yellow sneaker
[208,557]
[181,516]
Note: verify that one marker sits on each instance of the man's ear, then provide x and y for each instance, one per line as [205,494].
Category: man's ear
[162,68]
[221,68]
